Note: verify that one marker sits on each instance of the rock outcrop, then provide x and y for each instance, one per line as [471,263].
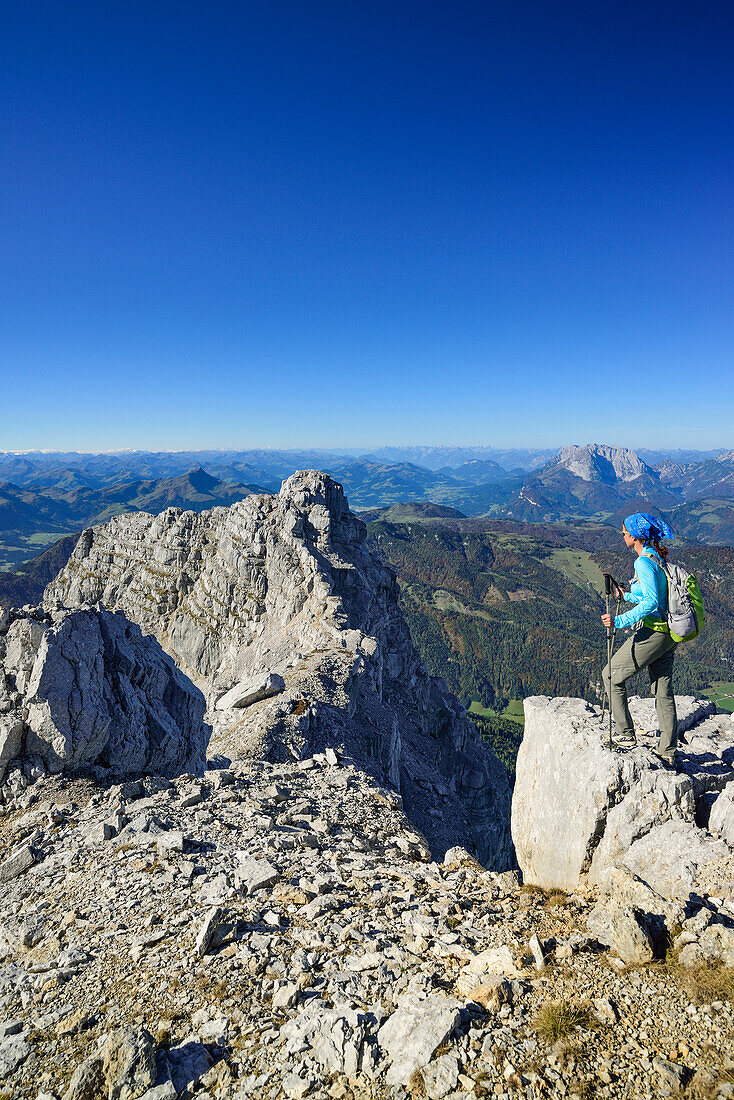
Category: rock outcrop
[721,817]
[580,810]
[598,462]
[83,689]
[281,590]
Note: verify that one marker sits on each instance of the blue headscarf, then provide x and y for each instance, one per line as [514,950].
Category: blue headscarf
[643,526]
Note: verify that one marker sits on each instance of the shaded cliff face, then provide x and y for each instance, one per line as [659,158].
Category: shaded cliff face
[282,587]
[86,689]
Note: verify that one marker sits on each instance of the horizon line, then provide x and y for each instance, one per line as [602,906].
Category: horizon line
[346,450]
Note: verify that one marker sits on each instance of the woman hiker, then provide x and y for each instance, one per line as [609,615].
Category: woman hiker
[650,646]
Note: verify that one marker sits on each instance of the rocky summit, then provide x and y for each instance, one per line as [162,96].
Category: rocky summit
[249,848]
[597,462]
[293,630]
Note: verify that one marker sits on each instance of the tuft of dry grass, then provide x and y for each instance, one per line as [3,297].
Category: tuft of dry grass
[416,1084]
[708,1080]
[162,1036]
[483,1085]
[581,1090]
[556,1019]
[555,897]
[530,892]
[708,981]
[549,898]
[444,1048]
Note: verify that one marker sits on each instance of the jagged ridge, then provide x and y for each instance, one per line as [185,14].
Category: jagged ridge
[284,585]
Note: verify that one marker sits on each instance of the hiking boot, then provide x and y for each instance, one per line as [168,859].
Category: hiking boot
[625,741]
[668,762]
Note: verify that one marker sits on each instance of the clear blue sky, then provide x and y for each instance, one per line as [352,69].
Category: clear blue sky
[344,224]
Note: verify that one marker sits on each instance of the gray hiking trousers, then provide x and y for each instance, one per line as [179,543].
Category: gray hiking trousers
[653,650]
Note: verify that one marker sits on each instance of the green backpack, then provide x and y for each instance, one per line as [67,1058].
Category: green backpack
[685,603]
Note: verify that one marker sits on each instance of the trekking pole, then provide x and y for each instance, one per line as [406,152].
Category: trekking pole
[616,614]
[610,582]
[608,692]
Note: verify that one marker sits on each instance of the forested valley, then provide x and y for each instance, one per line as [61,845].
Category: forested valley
[503,610]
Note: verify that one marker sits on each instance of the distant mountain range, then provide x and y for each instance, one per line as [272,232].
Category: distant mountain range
[32,515]
[605,483]
[31,469]
[46,495]
[594,482]
[443,458]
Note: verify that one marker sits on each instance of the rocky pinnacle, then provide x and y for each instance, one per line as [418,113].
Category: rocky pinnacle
[281,590]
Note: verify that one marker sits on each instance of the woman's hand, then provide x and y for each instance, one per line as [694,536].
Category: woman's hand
[620,592]
[608,621]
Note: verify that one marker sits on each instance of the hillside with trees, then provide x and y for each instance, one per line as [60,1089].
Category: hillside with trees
[506,610]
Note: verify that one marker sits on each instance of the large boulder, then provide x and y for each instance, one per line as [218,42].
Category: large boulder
[580,809]
[11,740]
[682,860]
[414,1031]
[621,927]
[97,693]
[660,917]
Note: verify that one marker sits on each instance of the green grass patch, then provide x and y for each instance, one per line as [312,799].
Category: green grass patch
[515,543]
[514,711]
[16,550]
[43,538]
[579,567]
[557,1019]
[721,692]
[447,601]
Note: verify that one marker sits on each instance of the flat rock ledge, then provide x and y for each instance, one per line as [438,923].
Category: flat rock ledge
[579,810]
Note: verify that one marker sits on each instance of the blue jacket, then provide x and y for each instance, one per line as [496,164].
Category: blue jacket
[649,591]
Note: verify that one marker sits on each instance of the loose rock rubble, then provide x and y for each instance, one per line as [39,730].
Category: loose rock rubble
[281,930]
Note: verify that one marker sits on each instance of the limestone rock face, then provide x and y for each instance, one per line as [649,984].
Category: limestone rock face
[597,462]
[580,809]
[229,590]
[721,820]
[283,586]
[86,688]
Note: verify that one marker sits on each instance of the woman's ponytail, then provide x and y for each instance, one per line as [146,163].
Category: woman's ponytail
[662,550]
